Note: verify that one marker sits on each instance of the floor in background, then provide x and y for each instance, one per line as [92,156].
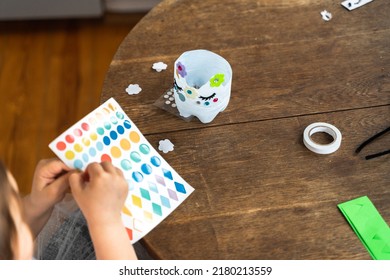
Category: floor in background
[51,75]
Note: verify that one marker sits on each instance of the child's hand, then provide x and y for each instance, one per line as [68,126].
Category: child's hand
[49,186]
[100,192]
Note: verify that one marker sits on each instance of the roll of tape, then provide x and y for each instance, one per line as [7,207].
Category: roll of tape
[320,148]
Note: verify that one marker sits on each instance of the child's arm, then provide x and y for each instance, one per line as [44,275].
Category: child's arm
[49,186]
[100,193]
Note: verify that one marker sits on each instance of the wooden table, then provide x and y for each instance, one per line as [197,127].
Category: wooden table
[259,192]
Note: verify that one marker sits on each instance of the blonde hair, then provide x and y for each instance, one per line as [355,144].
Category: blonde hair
[8,232]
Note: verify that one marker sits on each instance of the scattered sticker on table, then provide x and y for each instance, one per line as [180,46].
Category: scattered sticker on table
[165,146]
[326,15]
[133,89]
[159,66]
[108,134]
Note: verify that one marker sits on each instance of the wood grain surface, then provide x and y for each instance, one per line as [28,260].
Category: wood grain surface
[51,75]
[259,192]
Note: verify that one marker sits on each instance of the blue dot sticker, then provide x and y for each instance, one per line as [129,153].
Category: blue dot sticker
[127,124]
[146,169]
[113,135]
[78,164]
[155,161]
[137,176]
[106,140]
[92,151]
[120,129]
[85,157]
[99,146]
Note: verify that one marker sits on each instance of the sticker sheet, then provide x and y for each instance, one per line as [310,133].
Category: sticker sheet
[108,134]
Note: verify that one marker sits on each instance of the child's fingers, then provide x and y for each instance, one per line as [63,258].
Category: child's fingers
[108,167]
[94,169]
[60,185]
[76,182]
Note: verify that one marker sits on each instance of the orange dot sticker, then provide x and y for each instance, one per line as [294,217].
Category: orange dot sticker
[125,144]
[116,152]
[69,155]
[106,157]
[61,146]
[134,137]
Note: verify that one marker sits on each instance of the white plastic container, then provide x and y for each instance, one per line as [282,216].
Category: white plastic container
[202,84]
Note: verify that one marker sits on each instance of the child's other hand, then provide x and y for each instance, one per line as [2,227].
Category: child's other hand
[50,182]
[49,187]
[100,192]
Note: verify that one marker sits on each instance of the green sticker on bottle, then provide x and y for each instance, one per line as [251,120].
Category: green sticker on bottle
[369,226]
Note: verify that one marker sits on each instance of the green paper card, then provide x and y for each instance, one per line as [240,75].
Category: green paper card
[369,226]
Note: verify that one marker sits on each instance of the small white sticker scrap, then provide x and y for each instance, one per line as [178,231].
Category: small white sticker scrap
[165,146]
[133,89]
[159,66]
[326,15]
[354,4]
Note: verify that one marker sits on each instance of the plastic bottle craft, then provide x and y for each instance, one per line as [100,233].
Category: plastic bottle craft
[202,84]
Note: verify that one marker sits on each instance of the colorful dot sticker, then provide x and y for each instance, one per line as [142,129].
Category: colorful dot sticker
[61,146]
[99,146]
[137,176]
[127,124]
[120,129]
[120,115]
[78,148]
[106,157]
[144,149]
[126,164]
[146,169]
[85,126]
[113,135]
[134,137]
[106,140]
[92,151]
[135,156]
[86,142]
[108,134]
[116,152]
[107,125]
[77,132]
[155,161]
[69,155]
[94,136]
[69,139]
[100,130]
[125,144]
[78,164]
